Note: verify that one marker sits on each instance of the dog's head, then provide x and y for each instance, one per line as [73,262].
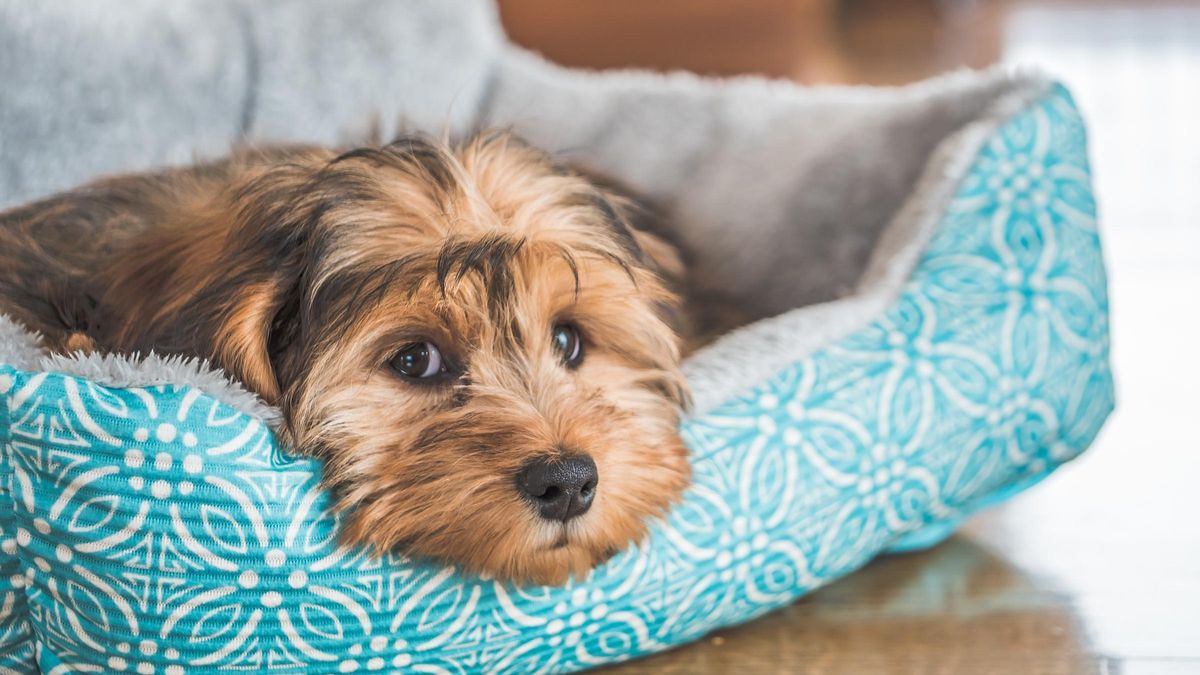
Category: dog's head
[474,340]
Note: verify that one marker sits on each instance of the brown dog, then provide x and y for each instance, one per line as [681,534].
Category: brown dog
[474,340]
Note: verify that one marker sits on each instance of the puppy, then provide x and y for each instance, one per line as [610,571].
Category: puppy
[473,339]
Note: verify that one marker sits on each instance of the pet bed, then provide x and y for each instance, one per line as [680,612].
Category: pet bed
[930,336]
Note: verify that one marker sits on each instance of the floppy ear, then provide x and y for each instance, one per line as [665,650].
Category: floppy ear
[665,257]
[208,294]
[253,337]
[198,261]
[639,219]
[245,313]
[205,276]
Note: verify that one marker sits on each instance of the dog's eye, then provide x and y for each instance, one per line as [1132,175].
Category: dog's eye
[568,344]
[419,360]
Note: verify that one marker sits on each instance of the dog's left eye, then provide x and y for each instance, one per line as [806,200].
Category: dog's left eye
[419,360]
[568,343]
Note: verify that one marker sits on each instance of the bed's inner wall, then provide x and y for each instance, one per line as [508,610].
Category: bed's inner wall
[98,88]
[777,195]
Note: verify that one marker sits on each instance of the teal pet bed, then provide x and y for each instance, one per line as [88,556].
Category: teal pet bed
[150,523]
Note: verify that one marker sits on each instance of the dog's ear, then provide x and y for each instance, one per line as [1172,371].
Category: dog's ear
[665,257]
[206,260]
[212,269]
[252,339]
[253,307]
[638,220]
[641,222]
[214,295]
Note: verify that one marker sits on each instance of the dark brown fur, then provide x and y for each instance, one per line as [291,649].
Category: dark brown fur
[301,272]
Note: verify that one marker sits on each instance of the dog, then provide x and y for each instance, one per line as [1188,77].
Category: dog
[475,339]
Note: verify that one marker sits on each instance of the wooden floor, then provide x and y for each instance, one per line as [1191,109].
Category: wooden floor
[1097,570]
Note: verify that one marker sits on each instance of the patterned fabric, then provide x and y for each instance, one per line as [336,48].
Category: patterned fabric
[157,530]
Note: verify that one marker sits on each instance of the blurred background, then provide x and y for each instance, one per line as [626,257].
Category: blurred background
[1098,569]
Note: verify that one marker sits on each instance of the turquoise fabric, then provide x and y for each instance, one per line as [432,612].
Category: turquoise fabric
[159,530]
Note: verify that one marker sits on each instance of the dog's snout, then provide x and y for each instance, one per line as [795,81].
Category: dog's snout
[560,488]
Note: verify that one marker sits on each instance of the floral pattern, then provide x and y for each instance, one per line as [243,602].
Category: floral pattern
[157,530]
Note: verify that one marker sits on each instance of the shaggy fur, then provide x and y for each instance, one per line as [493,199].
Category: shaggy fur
[303,272]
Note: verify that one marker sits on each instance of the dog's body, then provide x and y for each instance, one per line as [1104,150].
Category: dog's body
[474,340]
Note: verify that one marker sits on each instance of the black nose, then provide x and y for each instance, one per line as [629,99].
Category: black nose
[559,487]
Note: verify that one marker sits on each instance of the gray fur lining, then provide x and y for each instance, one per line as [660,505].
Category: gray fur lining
[22,349]
[753,353]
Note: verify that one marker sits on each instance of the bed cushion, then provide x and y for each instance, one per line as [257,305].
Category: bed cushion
[149,521]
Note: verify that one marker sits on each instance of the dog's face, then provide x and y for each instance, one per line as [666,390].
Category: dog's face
[487,372]
[473,340]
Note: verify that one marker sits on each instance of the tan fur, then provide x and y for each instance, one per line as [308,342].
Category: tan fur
[302,272]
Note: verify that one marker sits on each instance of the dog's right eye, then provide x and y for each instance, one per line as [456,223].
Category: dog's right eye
[419,360]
